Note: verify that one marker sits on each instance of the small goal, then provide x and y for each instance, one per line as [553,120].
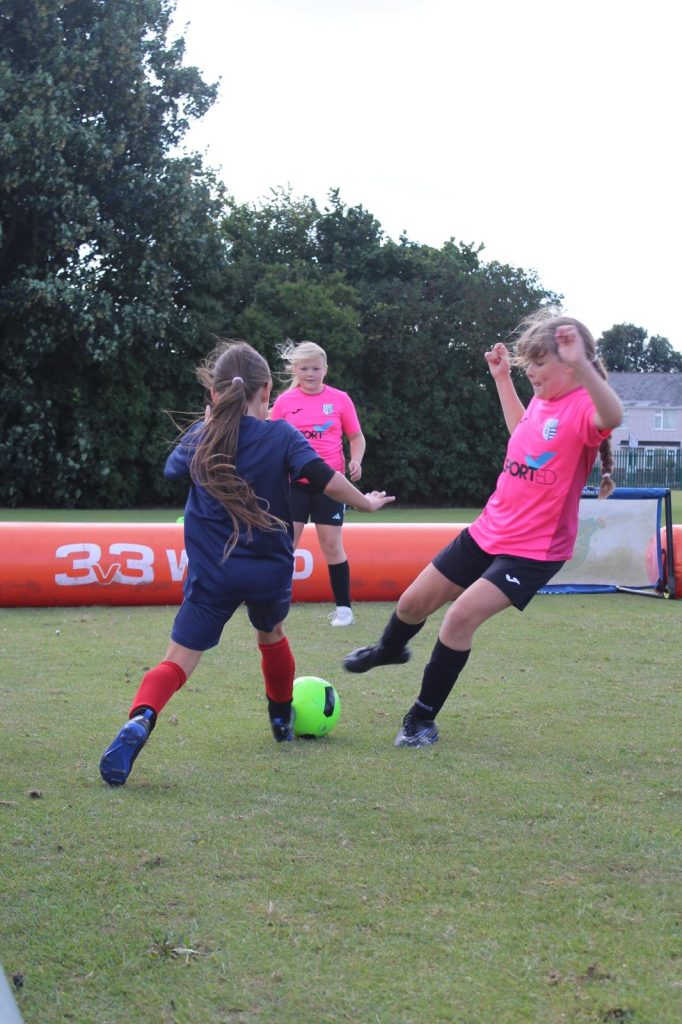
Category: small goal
[624,543]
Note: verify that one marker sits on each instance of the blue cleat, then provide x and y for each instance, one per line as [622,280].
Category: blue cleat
[118,759]
[283,727]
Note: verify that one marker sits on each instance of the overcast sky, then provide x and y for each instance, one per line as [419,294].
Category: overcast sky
[547,131]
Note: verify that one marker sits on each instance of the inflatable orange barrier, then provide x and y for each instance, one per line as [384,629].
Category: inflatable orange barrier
[145,563]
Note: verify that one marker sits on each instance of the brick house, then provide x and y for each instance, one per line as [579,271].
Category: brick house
[648,444]
[653,410]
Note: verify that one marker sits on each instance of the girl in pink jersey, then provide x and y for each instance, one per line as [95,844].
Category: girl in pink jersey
[528,527]
[323,415]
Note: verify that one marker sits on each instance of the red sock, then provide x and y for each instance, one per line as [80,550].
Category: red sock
[158,686]
[278,665]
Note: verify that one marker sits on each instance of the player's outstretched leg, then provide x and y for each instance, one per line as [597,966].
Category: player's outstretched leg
[391,649]
[365,658]
[118,759]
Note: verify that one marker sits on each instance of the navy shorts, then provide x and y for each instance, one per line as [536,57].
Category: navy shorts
[199,626]
[307,504]
[464,561]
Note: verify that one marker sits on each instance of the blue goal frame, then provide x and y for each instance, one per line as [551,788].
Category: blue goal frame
[665,584]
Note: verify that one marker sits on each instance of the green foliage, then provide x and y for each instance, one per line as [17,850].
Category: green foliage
[404,327]
[120,257]
[626,348]
[105,238]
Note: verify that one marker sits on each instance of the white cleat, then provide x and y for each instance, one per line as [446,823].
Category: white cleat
[342,617]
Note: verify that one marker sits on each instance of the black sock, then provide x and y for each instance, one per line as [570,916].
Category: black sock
[398,634]
[279,708]
[339,577]
[151,717]
[440,675]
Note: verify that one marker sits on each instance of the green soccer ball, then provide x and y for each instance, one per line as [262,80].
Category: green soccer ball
[317,706]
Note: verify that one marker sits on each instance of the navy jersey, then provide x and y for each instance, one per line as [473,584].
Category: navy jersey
[268,455]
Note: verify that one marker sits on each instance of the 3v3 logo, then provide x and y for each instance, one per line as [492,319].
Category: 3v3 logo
[106,575]
[131,564]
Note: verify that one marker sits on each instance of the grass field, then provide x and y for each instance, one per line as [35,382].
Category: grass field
[524,870]
[165,515]
[392,513]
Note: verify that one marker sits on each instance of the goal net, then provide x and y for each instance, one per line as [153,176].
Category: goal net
[619,545]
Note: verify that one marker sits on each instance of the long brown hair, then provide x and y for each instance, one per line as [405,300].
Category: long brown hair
[536,339]
[233,372]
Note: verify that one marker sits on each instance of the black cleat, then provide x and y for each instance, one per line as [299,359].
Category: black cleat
[416,732]
[366,658]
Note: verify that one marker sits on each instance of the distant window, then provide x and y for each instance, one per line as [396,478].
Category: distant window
[665,420]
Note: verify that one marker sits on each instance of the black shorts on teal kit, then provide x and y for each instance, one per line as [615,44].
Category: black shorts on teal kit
[310,505]
[199,626]
[464,561]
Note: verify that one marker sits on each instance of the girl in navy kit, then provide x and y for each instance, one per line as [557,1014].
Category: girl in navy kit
[238,537]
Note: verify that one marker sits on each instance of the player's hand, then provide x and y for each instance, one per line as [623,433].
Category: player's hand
[498,361]
[570,345]
[378,499]
[354,470]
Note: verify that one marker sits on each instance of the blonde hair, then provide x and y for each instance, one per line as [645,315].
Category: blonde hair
[292,353]
[234,372]
[537,338]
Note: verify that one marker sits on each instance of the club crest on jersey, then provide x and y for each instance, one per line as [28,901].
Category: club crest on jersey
[549,429]
[328,408]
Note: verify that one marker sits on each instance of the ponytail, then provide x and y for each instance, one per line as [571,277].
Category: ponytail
[606,485]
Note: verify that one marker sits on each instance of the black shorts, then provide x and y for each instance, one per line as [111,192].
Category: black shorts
[464,561]
[307,504]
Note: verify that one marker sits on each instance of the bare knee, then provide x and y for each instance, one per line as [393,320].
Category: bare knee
[457,629]
[425,595]
[331,544]
[411,608]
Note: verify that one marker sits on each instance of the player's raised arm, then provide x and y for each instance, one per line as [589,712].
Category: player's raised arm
[571,350]
[499,365]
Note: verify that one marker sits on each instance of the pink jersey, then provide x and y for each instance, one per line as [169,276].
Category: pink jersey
[322,419]
[533,512]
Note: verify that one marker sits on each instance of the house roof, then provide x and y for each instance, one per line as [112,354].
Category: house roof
[655,389]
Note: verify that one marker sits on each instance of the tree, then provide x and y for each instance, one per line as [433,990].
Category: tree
[404,326]
[627,349]
[276,288]
[434,412]
[109,246]
[662,357]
